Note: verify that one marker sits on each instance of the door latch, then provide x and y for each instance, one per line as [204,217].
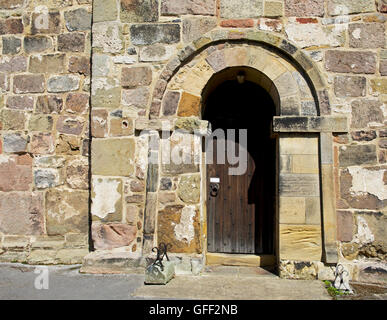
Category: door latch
[214,189]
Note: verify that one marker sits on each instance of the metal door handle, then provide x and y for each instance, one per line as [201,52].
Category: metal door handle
[214,189]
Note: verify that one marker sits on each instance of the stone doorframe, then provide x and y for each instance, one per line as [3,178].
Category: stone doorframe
[185,76]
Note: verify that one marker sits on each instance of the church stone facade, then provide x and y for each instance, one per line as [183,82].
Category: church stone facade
[95,95]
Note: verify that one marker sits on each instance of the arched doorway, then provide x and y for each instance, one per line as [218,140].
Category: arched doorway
[179,98]
[241,213]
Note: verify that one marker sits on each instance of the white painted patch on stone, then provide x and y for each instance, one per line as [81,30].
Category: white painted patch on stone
[103,84]
[364,234]
[156,53]
[335,20]
[341,9]
[105,196]
[137,97]
[356,33]
[344,108]
[108,37]
[49,161]
[46,178]
[184,231]
[101,65]
[99,120]
[6,159]
[264,24]
[368,181]
[308,35]
[124,59]
[142,152]
[316,55]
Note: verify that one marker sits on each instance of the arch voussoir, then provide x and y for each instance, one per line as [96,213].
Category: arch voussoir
[216,51]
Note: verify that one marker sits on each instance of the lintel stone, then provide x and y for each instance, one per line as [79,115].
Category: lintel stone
[310,124]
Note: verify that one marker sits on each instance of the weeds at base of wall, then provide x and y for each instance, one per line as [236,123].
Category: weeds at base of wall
[333,292]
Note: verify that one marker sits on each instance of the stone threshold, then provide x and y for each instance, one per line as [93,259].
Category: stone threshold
[246,260]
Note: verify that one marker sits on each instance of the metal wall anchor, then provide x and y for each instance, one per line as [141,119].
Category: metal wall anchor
[161,253]
[342,279]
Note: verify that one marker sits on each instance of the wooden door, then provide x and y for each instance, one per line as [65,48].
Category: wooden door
[232,217]
[240,218]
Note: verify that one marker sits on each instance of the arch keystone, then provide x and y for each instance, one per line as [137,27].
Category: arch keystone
[235,56]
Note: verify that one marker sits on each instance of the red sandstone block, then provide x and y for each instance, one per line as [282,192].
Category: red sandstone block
[306,20]
[242,23]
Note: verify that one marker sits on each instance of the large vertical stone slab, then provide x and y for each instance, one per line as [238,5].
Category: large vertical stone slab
[300,242]
[150,213]
[303,185]
[106,199]
[105,93]
[179,226]
[104,10]
[112,157]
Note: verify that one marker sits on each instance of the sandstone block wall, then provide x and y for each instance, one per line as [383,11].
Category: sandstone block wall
[45,85]
[44,123]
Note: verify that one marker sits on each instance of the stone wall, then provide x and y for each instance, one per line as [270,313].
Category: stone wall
[138,49]
[44,137]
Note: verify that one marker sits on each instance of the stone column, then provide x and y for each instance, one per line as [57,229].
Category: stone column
[150,214]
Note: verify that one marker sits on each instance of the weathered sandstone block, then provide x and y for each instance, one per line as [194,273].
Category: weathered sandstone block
[11,45]
[139,11]
[357,155]
[181,7]
[179,226]
[136,77]
[28,83]
[112,157]
[78,20]
[350,61]
[189,189]
[15,173]
[300,242]
[232,9]
[67,211]
[36,43]
[146,34]
[366,35]
[115,235]
[22,213]
[304,8]
[343,7]
[52,63]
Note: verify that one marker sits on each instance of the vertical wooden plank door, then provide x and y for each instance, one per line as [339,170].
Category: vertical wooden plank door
[231,216]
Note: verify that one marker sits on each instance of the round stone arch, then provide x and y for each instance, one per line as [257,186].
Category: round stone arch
[276,58]
[291,78]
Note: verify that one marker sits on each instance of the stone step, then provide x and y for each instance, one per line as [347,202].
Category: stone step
[107,262]
[249,260]
[238,272]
